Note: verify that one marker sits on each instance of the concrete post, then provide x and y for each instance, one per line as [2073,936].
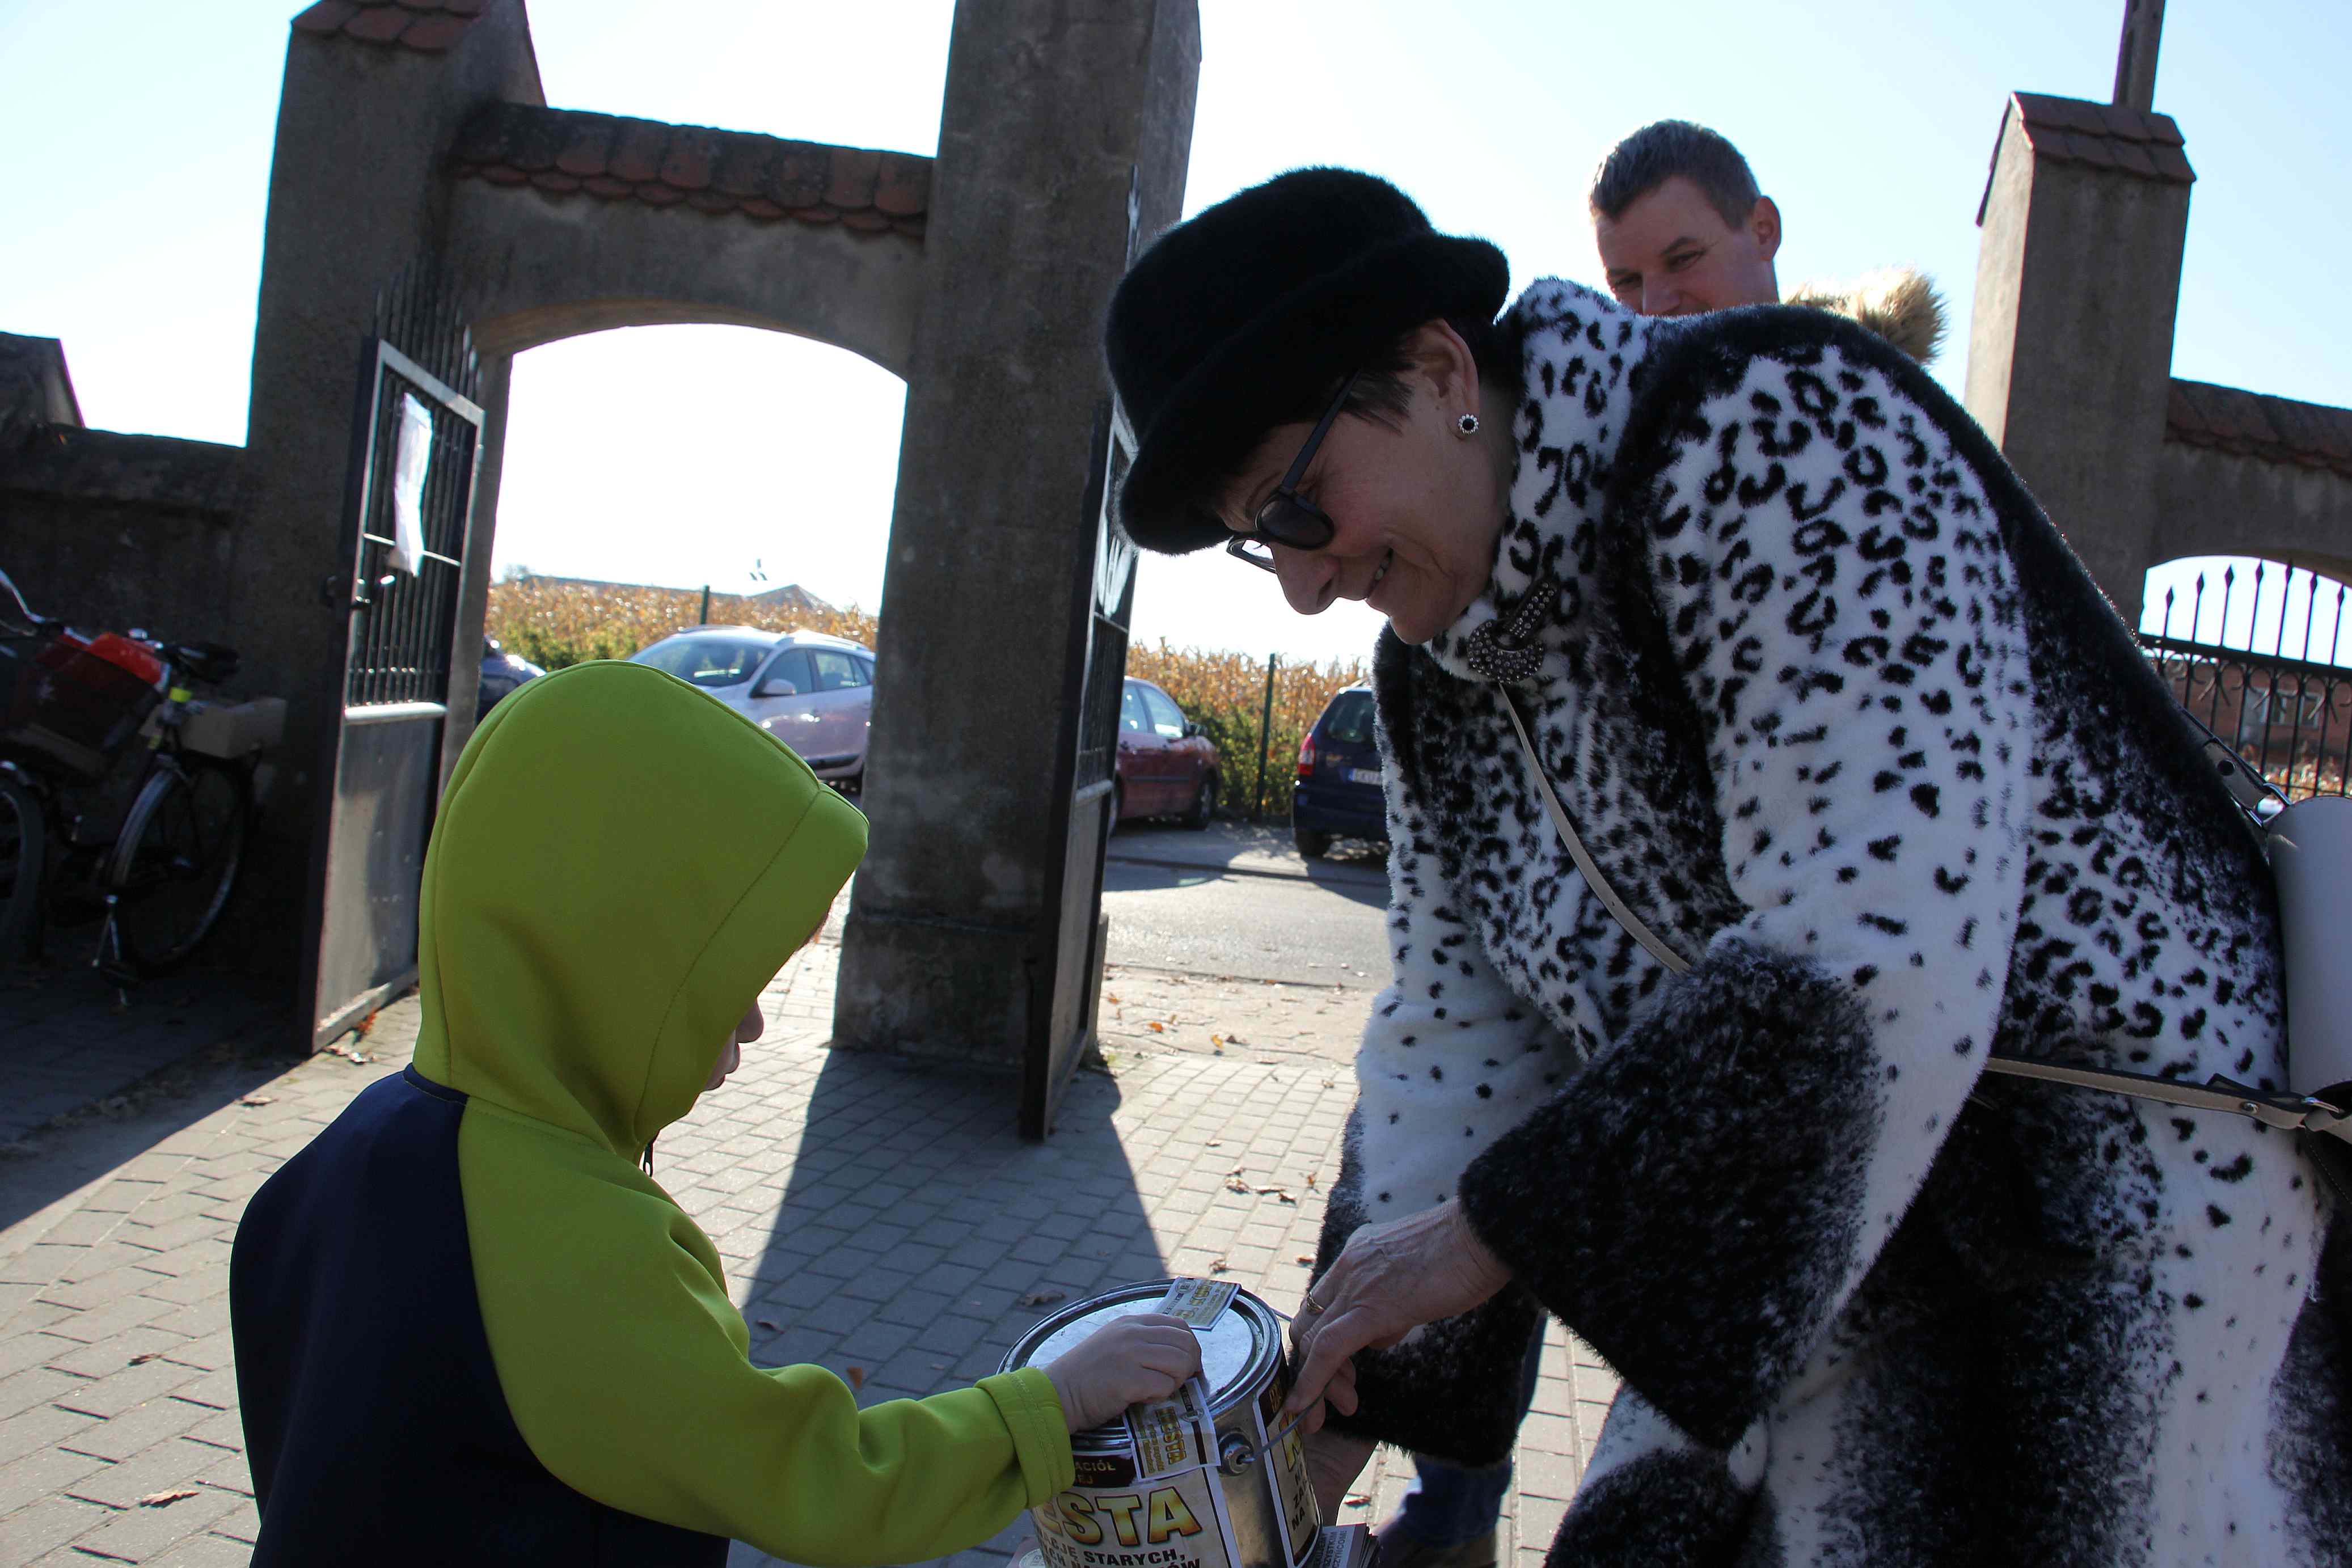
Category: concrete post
[1055,112]
[2070,346]
[355,194]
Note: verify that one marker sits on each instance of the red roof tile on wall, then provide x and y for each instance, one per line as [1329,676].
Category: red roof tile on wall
[2252,424]
[763,178]
[2105,136]
[428,26]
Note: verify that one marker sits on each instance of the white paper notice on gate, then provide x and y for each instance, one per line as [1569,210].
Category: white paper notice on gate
[1171,1435]
[412,460]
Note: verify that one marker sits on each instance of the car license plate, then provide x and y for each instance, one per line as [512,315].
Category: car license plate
[1366,775]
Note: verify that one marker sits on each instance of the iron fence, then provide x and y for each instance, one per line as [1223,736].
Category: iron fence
[2288,714]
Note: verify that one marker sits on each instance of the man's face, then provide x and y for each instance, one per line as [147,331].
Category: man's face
[1671,253]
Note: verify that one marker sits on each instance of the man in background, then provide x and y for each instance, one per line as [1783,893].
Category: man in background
[1681,227]
[1681,224]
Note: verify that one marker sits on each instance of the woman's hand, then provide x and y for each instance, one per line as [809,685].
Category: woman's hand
[1127,1361]
[1339,1394]
[1391,1278]
[1334,1460]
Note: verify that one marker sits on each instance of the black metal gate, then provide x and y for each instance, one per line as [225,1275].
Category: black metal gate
[395,728]
[1067,981]
[2289,715]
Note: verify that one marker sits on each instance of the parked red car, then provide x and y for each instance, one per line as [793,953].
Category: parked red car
[1167,767]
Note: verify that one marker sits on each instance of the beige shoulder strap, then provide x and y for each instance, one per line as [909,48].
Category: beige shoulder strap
[2291,1111]
[1617,906]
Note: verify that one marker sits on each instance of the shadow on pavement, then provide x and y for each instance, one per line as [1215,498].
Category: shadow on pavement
[1248,850]
[920,1236]
[1158,876]
[75,1054]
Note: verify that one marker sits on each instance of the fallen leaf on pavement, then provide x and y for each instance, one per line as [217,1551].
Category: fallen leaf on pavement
[258,1100]
[1281,1193]
[858,1378]
[1216,1039]
[766,1323]
[1235,1183]
[1109,997]
[1041,1298]
[1155,1027]
[166,1498]
[1219,1266]
[1305,1259]
[143,1360]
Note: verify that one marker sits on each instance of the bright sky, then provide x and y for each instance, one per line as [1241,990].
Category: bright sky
[140,134]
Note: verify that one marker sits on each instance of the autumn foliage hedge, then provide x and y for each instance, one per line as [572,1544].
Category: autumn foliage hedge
[554,623]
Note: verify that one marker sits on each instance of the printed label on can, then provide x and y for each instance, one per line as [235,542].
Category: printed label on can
[1177,1521]
[1286,1469]
[1199,1303]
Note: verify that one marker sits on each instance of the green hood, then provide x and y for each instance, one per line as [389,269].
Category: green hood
[619,864]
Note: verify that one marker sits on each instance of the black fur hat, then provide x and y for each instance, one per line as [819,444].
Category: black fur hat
[1234,320]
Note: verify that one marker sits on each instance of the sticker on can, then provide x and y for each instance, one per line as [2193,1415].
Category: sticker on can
[1199,1302]
[1175,1434]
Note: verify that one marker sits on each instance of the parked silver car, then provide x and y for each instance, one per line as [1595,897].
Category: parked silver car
[813,692]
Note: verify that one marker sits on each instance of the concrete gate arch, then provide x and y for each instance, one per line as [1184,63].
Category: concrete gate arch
[564,221]
[415,136]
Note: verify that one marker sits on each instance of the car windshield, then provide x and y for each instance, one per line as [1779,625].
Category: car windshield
[705,661]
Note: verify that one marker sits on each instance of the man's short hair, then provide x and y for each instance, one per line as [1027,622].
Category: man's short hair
[1656,153]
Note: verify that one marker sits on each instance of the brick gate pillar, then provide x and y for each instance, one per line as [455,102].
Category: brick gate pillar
[373,96]
[1055,115]
[2070,345]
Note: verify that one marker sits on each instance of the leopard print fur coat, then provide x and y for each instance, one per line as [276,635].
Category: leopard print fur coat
[1839,714]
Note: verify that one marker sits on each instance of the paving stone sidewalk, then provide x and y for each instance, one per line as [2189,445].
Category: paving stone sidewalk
[75,1042]
[874,1217]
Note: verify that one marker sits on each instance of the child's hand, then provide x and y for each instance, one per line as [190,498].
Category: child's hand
[1140,1357]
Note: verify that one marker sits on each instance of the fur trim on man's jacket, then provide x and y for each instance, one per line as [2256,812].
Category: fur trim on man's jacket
[1898,304]
[1838,714]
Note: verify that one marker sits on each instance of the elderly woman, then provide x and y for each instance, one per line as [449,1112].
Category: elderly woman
[1749,606]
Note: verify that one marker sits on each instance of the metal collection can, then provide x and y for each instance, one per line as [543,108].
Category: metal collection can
[1189,1482]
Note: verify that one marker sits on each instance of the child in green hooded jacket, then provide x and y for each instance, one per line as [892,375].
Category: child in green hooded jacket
[469,1327]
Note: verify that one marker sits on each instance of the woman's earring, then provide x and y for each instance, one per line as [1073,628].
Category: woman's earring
[1467,425]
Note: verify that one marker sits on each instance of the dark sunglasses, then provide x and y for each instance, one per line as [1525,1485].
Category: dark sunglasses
[1285,520]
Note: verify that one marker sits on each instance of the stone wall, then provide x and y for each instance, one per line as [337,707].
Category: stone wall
[110,531]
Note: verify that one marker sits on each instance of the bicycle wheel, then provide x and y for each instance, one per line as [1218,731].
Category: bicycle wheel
[24,842]
[172,868]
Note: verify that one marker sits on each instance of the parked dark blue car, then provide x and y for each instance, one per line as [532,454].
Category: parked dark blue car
[1338,791]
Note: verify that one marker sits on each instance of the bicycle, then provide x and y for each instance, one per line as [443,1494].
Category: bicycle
[157,871]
